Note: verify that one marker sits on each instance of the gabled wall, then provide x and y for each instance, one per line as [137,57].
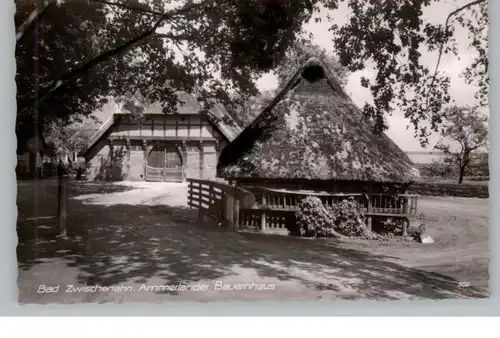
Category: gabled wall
[121,153]
[166,126]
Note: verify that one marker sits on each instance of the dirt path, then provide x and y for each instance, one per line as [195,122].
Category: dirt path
[460,228]
[140,240]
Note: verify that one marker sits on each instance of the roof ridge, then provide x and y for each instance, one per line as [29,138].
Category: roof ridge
[313,60]
[238,158]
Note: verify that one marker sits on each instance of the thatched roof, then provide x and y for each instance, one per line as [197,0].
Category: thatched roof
[190,106]
[312,130]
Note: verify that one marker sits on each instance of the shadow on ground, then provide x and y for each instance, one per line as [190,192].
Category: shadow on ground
[129,243]
[37,205]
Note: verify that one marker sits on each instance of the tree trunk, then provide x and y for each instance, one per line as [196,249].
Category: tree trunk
[461,175]
[32,18]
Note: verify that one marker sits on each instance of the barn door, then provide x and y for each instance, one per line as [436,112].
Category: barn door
[173,165]
[164,164]
[156,163]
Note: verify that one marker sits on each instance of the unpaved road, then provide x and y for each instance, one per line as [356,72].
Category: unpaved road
[142,241]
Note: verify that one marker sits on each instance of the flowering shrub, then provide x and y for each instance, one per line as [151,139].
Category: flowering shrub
[344,218]
[313,219]
[349,218]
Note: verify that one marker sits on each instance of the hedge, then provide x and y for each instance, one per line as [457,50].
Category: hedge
[450,189]
[477,178]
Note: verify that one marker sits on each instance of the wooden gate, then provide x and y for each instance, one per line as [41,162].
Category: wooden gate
[164,164]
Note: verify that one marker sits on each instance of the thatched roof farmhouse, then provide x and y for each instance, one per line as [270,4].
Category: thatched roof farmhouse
[312,131]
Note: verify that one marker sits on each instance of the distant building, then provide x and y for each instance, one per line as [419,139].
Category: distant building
[30,150]
[426,157]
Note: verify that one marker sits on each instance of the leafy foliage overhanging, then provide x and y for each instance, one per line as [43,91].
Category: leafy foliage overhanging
[392,35]
[80,52]
[156,47]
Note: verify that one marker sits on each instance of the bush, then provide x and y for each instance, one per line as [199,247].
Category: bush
[477,178]
[313,219]
[349,218]
[344,218]
[437,170]
[450,189]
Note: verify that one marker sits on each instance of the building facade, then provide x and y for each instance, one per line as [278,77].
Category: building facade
[157,147]
[29,158]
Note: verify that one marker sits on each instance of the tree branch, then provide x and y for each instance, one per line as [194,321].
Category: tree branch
[32,18]
[445,38]
[474,147]
[129,7]
[56,84]
[176,37]
[76,72]
[170,14]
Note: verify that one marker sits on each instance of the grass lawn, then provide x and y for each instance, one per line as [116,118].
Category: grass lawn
[449,181]
[137,234]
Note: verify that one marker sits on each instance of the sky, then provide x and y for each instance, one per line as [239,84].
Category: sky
[453,66]
[462,93]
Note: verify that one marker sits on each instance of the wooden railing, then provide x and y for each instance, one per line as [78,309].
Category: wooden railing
[264,208]
[219,201]
[273,207]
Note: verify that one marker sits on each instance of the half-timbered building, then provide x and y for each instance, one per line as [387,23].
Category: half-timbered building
[160,146]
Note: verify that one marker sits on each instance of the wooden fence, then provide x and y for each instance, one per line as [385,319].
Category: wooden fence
[219,201]
[275,208]
[264,208]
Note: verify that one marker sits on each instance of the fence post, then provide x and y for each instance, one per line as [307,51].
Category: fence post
[235,210]
[229,210]
[190,194]
[236,213]
[405,205]
[406,221]
[369,217]
[62,188]
[263,214]
[211,193]
[200,212]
